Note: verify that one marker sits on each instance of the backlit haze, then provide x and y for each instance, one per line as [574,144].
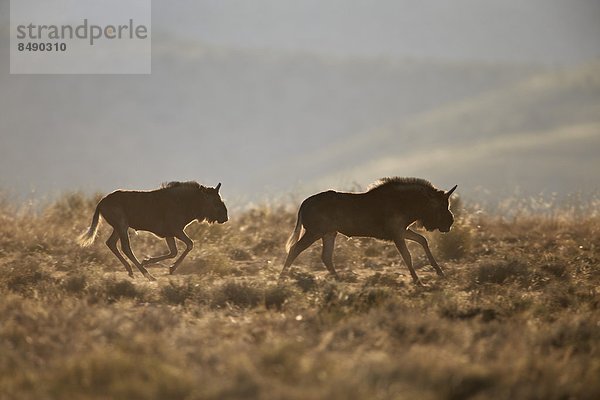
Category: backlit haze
[279,99]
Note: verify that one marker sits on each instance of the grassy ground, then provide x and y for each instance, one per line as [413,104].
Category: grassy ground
[517,317]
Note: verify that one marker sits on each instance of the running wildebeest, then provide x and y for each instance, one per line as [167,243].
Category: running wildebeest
[384,212]
[165,212]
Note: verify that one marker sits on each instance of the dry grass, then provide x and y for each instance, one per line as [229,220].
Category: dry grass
[517,317]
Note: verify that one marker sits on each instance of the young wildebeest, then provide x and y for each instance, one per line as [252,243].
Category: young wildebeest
[164,212]
[384,212]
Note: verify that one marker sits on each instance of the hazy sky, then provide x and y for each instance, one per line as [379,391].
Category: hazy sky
[530,31]
[231,112]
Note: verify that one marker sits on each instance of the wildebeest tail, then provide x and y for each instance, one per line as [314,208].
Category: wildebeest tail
[296,234]
[87,238]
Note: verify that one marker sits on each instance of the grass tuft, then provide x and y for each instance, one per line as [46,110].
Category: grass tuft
[456,244]
[305,281]
[121,289]
[119,375]
[25,278]
[75,283]
[174,293]
[240,294]
[501,271]
[276,297]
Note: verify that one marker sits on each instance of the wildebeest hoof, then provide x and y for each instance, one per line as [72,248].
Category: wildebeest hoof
[172,269]
[418,283]
[130,275]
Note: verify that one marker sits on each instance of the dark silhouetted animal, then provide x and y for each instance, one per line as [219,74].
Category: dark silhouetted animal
[165,212]
[384,212]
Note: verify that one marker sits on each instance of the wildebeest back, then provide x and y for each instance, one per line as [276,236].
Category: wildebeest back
[354,214]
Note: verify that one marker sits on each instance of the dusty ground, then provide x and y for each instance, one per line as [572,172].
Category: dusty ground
[517,317]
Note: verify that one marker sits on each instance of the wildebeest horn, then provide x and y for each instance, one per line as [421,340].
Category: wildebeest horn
[218,186]
[449,192]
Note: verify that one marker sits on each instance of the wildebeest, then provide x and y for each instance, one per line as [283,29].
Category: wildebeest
[384,212]
[165,212]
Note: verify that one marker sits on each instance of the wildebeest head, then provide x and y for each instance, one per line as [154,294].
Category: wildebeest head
[438,214]
[212,208]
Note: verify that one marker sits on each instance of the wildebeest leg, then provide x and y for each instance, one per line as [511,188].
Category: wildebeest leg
[401,246]
[327,255]
[172,253]
[189,245]
[415,237]
[305,241]
[111,242]
[126,248]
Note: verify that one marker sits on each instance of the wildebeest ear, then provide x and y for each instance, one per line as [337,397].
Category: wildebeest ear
[218,186]
[449,192]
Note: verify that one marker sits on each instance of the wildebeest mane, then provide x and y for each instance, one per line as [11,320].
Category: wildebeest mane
[397,182]
[177,184]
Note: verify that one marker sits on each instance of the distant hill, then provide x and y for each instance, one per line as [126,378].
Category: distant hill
[215,114]
[540,134]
